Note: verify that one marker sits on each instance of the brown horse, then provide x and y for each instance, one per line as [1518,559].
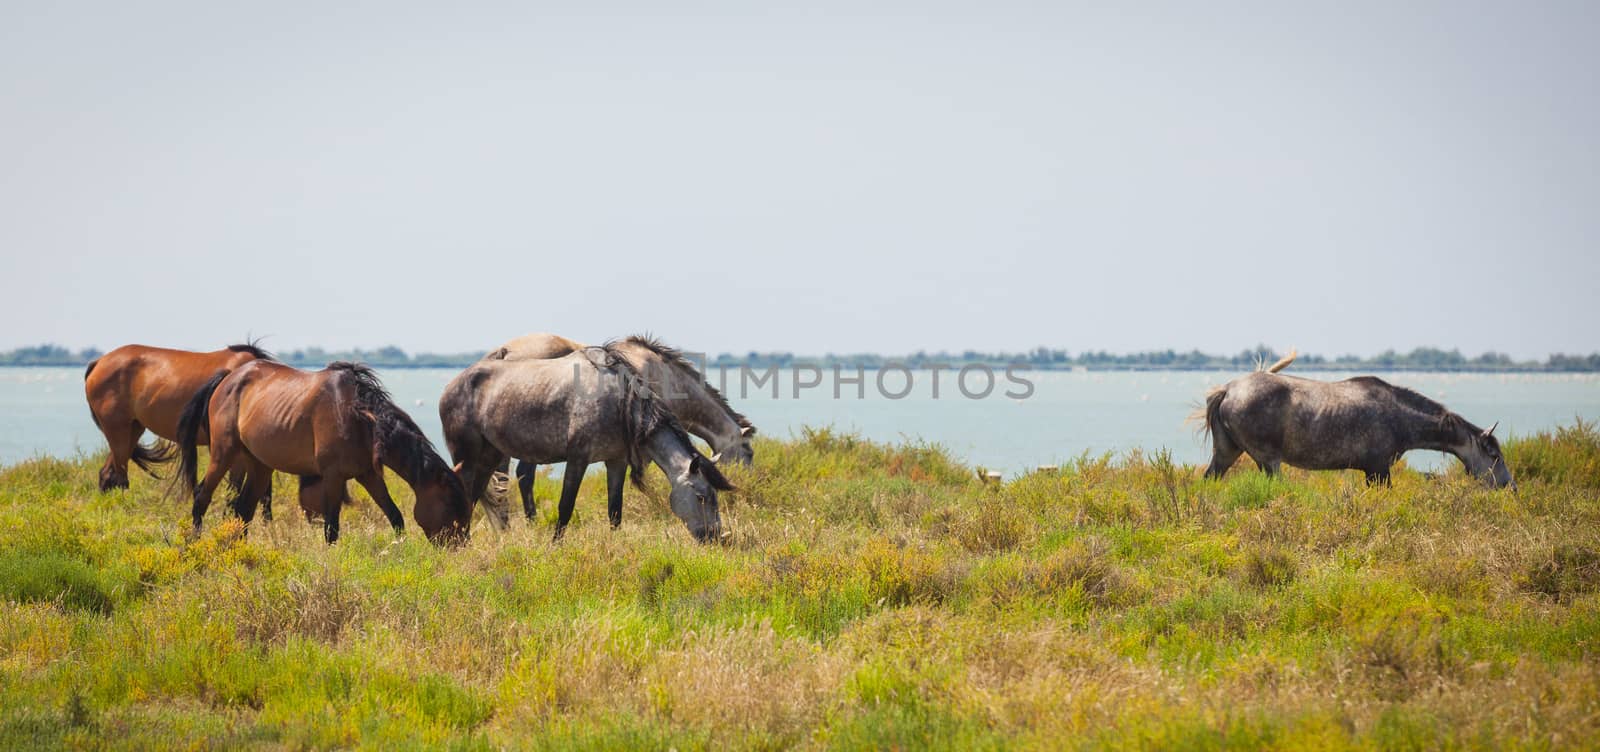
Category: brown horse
[328,427]
[134,388]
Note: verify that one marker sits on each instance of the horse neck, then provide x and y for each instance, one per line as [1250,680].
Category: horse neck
[710,421]
[700,412]
[1436,433]
[669,452]
[401,460]
[399,464]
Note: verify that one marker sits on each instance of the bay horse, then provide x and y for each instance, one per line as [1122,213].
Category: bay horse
[1362,423]
[328,427]
[588,406]
[699,406]
[135,388]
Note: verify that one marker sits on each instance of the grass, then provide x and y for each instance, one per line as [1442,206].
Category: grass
[871,596]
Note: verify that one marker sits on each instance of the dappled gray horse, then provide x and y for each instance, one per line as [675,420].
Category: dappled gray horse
[672,376]
[1363,423]
[589,406]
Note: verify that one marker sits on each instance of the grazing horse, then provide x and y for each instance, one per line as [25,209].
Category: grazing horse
[589,406]
[1363,423]
[328,427]
[134,388]
[697,405]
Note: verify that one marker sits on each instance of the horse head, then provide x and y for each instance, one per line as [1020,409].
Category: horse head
[694,498]
[442,510]
[740,451]
[1480,452]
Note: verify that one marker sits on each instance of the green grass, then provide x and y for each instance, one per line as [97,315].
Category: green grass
[871,596]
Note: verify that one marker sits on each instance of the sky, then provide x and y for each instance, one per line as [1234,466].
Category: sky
[812,177]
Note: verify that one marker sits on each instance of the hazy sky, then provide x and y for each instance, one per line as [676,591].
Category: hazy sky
[815,177]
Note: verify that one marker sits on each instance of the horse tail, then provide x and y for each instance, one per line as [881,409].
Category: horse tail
[86,372]
[158,452]
[1211,415]
[197,411]
[1284,361]
[497,498]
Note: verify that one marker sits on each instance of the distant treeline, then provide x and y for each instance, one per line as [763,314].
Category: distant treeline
[1420,359]
[314,357]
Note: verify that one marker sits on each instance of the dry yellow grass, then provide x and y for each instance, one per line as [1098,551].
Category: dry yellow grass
[871,597]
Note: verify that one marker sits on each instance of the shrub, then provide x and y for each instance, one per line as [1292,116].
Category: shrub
[1569,571]
[53,577]
[1569,455]
[995,525]
[1268,567]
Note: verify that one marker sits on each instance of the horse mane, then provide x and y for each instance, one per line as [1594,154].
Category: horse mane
[398,438]
[252,348]
[675,357]
[642,411]
[1415,401]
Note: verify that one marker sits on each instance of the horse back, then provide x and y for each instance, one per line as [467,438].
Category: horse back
[298,422]
[152,384]
[538,346]
[547,410]
[1311,424]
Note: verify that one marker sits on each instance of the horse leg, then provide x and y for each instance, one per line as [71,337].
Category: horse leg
[223,453]
[122,436]
[1379,477]
[616,477]
[372,480]
[311,496]
[332,503]
[525,485]
[1221,460]
[478,460]
[476,481]
[238,478]
[311,490]
[1224,452]
[257,482]
[571,479]
[1268,466]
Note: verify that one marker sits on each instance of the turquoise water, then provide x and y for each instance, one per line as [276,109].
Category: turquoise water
[42,410]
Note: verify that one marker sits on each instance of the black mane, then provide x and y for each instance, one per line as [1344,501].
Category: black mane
[400,442]
[253,349]
[644,413]
[676,358]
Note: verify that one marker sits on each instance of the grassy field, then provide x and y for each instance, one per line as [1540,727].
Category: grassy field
[872,597]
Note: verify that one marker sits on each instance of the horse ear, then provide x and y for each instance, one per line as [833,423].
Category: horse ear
[1490,431]
[709,470]
[457,468]
[747,431]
